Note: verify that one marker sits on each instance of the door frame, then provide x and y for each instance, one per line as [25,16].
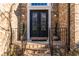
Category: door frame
[42,33]
[28,18]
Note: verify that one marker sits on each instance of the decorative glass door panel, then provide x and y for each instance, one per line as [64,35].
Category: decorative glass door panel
[43,21]
[38,23]
[43,24]
[34,21]
[34,29]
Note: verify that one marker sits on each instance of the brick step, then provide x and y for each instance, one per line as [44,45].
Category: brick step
[36,46]
[37,53]
[37,49]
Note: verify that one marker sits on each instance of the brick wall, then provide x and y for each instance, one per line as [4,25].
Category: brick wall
[72,25]
[60,13]
[54,18]
[77,24]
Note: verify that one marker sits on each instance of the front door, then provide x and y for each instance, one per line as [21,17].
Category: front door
[38,24]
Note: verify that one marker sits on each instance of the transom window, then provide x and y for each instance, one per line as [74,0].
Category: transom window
[39,4]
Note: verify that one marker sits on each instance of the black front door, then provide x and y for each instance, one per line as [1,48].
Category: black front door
[38,23]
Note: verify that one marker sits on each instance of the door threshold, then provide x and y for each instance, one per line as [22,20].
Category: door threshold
[38,42]
[39,38]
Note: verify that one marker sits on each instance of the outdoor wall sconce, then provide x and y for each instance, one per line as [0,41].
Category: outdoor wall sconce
[55,15]
[22,15]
